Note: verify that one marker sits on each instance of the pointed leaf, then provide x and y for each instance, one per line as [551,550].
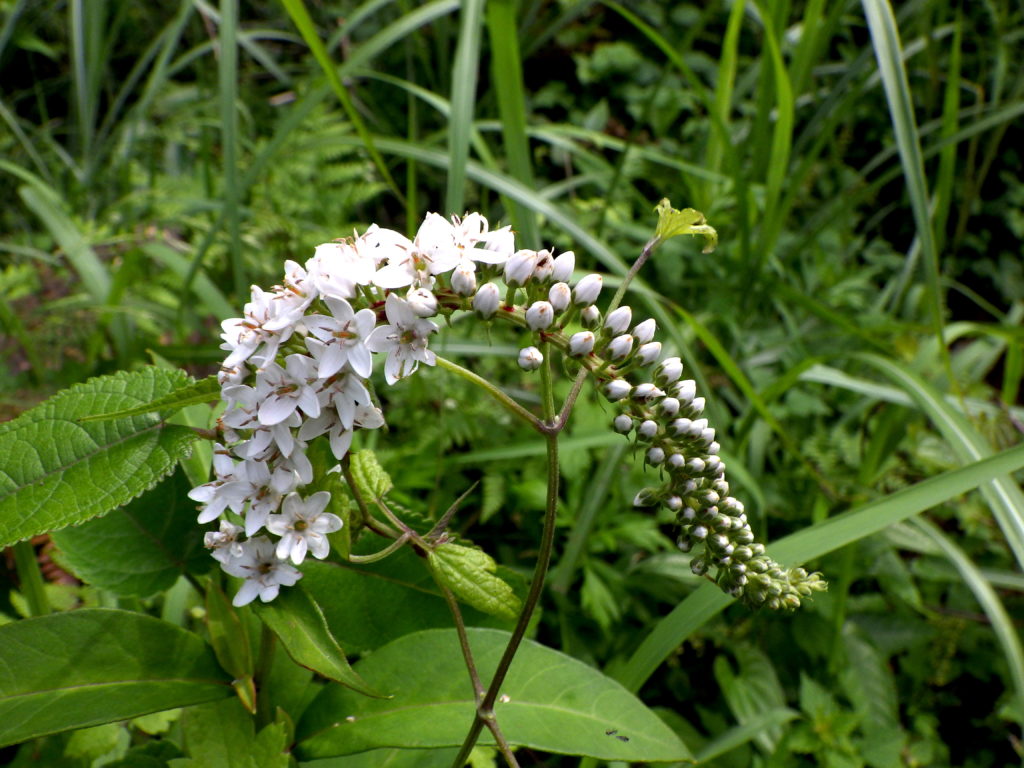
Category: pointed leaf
[300,625]
[55,472]
[194,393]
[469,573]
[92,666]
[549,701]
[369,475]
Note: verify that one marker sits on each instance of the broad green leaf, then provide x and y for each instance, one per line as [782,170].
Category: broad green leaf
[389,758]
[141,548]
[685,222]
[92,666]
[693,612]
[193,393]
[469,573]
[369,475]
[230,642]
[223,735]
[549,701]
[387,599]
[55,472]
[300,625]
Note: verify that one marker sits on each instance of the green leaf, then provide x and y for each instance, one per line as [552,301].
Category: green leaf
[549,701]
[55,472]
[141,548]
[369,475]
[685,222]
[469,573]
[223,735]
[92,666]
[193,393]
[389,758]
[228,635]
[300,625]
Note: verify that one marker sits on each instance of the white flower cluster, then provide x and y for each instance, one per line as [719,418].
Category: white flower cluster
[299,360]
[297,367]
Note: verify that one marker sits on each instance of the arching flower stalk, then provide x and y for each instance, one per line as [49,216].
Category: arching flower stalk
[298,362]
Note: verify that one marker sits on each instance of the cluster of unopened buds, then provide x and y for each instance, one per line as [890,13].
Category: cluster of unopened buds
[299,362]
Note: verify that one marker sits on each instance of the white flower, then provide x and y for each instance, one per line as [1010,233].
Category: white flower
[228,489]
[587,290]
[540,315]
[530,358]
[303,526]
[345,392]
[244,335]
[345,337]
[433,252]
[366,417]
[336,269]
[224,543]
[263,572]
[404,340]
[282,390]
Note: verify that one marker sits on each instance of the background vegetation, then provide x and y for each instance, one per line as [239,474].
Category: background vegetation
[857,331]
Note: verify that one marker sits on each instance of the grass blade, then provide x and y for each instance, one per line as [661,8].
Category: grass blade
[507,70]
[889,53]
[227,77]
[463,99]
[1003,495]
[693,612]
[1002,624]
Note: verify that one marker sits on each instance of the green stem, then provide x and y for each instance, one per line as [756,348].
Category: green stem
[30,578]
[645,254]
[389,549]
[510,405]
[264,662]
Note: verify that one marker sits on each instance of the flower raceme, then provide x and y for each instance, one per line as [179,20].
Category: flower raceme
[298,363]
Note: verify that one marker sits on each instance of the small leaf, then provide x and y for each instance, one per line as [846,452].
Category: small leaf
[55,472]
[549,702]
[300,625]
[685,222]
[369,475]
[469,573]
[141,548]
[92,666]
[223,735]
[194,393]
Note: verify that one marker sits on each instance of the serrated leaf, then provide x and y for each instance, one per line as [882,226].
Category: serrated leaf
[369,475]
[195,393]
[92,666]
[55,472]
[300,625]
[685,222]
[549,701]
[469,572]
[140,549]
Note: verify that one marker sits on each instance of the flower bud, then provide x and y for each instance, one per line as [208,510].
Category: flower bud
[699,532]
[644,331]
[559,296]
[688,513]
[680,426]
[699,566]
[713,448]
[669,371]
[669,406]
[581,344]
[590,317]
[543,268]
[519,267]
[540,315]
[643,498]
[684,390]
[676,460]
[464,280]
[616,389]
[695,465]
[563,266]
[647,429]
[697,406]
[674,503]
[623,423]
[620,347]
[648,352]
[587,290]
[530,359]
[697,427]
[486,300]
[655,456]
[618,321]
[646,392]
[422,302]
